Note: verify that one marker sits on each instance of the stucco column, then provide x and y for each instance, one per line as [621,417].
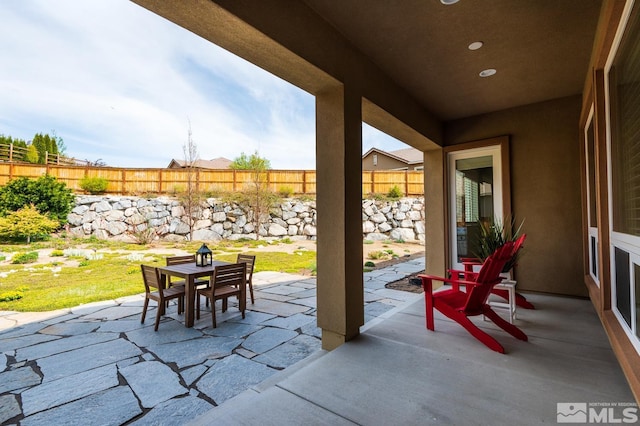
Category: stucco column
[435,201]
[340,287]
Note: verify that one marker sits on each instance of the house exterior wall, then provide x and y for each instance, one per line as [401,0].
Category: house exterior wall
[384,163]
[597,97]
[545,185]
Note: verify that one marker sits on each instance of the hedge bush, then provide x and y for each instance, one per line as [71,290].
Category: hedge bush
[47,194]
[94,185]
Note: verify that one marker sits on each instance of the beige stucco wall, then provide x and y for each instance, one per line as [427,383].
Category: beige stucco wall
[545,187]
[384,163]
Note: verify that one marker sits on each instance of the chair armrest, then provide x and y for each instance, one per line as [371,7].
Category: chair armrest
[469,263]
[458,271]
[456,283]
[466,275]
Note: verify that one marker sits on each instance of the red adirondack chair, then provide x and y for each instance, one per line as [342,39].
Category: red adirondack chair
[459,305]
[469,274]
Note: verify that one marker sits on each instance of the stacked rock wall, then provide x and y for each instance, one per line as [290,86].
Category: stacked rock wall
[121,218]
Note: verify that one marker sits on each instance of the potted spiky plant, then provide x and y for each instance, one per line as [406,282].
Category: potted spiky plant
[494,234]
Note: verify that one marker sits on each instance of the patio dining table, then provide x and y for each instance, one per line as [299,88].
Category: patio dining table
[189,272]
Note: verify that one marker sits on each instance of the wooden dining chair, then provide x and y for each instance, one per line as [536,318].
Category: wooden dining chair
[176,260]
[189,258]
[226,281]
[155,290]
[250,260]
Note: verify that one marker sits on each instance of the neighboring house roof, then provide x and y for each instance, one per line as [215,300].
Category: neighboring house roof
[216,163]
[406,155]
[410,155]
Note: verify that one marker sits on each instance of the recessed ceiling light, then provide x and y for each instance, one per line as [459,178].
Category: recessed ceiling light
[476,45]
[488,72]
[449,2]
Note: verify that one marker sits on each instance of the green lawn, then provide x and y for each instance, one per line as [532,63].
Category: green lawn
[59,285]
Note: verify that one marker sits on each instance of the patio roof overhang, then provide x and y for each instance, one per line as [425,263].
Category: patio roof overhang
[408,71]
[415,54]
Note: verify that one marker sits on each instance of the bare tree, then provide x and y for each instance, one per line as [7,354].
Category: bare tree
[191,198]
[257,194]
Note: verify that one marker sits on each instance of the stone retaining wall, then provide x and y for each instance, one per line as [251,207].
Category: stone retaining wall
[121,218]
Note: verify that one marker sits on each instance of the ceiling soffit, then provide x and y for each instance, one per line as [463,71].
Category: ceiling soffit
[540,49]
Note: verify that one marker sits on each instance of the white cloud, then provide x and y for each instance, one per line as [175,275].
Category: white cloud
[374,138]
[120,83]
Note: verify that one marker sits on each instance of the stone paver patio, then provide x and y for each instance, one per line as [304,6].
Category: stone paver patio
[96,364]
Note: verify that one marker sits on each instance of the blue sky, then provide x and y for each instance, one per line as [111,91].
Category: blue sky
[121,84]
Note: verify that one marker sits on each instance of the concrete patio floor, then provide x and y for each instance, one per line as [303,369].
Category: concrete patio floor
[398,373]
[96,364]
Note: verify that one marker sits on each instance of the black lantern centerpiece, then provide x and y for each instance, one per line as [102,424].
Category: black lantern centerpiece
[204,256]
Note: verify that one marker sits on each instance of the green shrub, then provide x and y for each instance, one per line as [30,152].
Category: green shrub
[26,223]
[57,253]
[143,234]
[395,192]
[11,295]
[22,258]
[49,197]
[177,190]
[367,242]
[377,197]
[369,264]
[376,255]
[285,191]
[94,185]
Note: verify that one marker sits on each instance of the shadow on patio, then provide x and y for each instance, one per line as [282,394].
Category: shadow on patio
[397,372]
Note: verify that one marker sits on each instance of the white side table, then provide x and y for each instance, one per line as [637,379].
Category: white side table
[510,286]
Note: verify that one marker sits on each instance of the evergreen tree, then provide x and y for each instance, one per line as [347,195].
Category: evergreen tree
[19,147]
[40,144]
[32,154]
[50,143]
[61,148]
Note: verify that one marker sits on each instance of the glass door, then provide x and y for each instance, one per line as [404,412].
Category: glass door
[475,188]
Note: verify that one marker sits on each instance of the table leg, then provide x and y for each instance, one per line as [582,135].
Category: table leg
[189,303]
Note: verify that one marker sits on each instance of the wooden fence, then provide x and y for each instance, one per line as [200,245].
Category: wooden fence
[12,153]
[167,181]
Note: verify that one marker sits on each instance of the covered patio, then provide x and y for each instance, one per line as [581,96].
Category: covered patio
[398,372]
[537,99]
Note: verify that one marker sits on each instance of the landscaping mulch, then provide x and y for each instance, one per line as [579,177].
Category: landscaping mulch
[404,284]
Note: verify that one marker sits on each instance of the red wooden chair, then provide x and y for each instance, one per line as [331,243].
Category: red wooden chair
[469,274]
[459,305]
